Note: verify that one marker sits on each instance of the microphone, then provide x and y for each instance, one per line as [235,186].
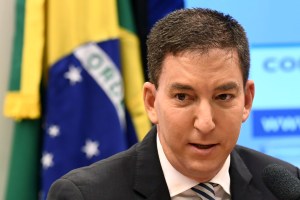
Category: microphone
[283,184]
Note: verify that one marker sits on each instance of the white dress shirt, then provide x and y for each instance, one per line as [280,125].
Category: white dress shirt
[180,185]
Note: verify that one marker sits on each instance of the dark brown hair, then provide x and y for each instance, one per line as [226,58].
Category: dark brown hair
[195,29]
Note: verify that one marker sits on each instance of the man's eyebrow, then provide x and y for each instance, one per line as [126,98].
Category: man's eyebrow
[228,86]
[180,86]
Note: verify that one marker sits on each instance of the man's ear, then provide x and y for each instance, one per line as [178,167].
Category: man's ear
[149,94]
[249,97]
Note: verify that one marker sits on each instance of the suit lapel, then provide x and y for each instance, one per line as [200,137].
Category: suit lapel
[240,177]
[149,179]
[150,184]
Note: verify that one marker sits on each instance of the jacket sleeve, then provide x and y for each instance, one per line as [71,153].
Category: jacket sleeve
[64,189]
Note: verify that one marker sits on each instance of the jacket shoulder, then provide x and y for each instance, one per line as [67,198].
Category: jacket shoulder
[119,164]
[257,161]
[94,181]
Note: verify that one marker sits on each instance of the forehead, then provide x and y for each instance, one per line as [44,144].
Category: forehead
[201,67]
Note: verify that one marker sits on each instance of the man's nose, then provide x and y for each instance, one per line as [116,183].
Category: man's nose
[204,119]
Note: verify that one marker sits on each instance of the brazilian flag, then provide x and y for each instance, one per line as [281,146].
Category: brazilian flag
[94,105]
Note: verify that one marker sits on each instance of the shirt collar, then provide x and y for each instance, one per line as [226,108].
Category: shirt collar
[178,183]
[222,178]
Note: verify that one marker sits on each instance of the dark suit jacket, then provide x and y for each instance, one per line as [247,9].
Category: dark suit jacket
[137,174]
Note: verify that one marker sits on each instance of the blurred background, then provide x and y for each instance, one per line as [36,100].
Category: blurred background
[6,40]
[28,151]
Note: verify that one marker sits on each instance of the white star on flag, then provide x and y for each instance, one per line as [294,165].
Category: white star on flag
[73,75]
[47,160]
[91,148]
[53,131]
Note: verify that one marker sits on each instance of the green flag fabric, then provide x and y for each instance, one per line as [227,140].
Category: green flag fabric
[24,163]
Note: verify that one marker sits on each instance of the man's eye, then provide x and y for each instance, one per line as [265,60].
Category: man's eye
[224,97]
[181,97]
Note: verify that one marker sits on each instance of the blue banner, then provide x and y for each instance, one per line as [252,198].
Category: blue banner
[277,122]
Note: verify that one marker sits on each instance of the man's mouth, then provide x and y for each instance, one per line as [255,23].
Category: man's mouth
[203,146]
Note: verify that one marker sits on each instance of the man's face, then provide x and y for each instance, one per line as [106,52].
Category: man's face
[198,108]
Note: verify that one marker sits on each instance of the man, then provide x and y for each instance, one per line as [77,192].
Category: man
[198,97]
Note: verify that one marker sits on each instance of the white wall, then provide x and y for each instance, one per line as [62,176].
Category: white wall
[7,17]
